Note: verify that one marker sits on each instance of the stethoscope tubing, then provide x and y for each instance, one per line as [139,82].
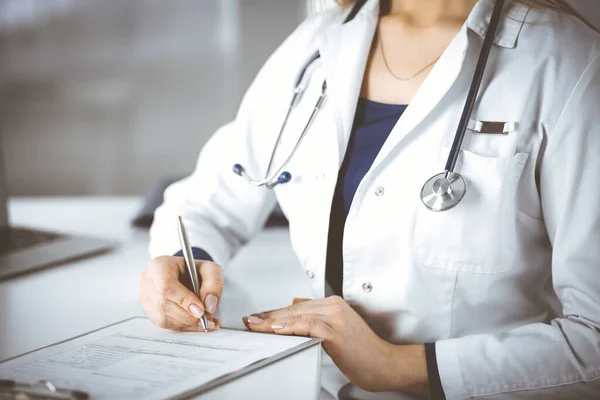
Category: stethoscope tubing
[313,115]
[446,190]
[442,191]
[474,89]
[280,176]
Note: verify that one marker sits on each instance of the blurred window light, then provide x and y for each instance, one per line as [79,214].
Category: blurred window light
[17,13]
[229,26]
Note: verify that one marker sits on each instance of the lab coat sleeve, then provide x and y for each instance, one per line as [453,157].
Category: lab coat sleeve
[220,209]
[560,359]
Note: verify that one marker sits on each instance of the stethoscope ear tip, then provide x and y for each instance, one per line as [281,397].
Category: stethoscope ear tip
[238,169]
[284,177]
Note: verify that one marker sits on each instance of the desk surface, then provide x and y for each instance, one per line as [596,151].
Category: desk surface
[44,307]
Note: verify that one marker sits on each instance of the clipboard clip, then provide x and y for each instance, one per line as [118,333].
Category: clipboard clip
[45,390]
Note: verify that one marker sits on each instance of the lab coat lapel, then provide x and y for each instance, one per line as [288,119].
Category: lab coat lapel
[344,52]
[447,69]
[430,94]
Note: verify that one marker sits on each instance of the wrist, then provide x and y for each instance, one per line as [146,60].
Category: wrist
[407,368]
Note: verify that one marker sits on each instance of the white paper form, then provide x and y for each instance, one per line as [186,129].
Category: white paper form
[135,359]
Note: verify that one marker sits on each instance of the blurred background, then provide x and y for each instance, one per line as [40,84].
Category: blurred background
[106,97]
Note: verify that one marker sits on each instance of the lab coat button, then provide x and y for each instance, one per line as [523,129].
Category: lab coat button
[367,286]
[310,274]
[379,191]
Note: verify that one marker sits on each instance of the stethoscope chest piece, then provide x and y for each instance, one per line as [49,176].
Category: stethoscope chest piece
[443,191]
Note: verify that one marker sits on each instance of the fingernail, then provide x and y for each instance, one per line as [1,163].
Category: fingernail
[211,325]
[278,326]
[255,320]
[211,303]
[196,311]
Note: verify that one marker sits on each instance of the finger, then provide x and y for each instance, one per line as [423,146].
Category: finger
[164,272]
[269,325]
[212,284]
[293,311]
[166,322]
[311,326]
[164,305]
[157,318]
[279,309]
[169,288]
[300,300]
[171,309]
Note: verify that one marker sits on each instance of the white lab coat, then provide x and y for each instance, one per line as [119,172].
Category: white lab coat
[508,282]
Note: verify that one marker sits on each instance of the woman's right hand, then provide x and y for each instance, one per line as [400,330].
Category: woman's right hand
[170,304]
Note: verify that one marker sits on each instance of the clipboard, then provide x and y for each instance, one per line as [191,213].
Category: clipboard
[45,390]
[15,380]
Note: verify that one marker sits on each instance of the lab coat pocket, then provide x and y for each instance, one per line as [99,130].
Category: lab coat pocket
[477,235]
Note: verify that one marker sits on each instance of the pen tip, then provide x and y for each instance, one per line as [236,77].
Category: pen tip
[204,323]
[179,219]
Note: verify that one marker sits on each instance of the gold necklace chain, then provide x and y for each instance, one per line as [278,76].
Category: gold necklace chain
[390,70]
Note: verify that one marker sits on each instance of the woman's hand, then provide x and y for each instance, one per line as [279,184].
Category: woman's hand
[367,360]
[171,305]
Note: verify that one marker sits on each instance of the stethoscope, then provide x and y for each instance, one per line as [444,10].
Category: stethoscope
[442,191]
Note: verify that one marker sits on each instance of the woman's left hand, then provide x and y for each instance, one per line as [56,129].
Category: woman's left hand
[367,360]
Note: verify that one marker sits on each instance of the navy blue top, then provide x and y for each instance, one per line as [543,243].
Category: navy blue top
[373,123]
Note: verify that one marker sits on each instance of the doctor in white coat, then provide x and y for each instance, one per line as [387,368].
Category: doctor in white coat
[497,297]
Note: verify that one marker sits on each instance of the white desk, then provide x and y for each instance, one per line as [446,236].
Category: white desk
[70,299]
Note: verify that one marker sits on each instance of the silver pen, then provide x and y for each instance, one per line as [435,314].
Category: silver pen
[188,255]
